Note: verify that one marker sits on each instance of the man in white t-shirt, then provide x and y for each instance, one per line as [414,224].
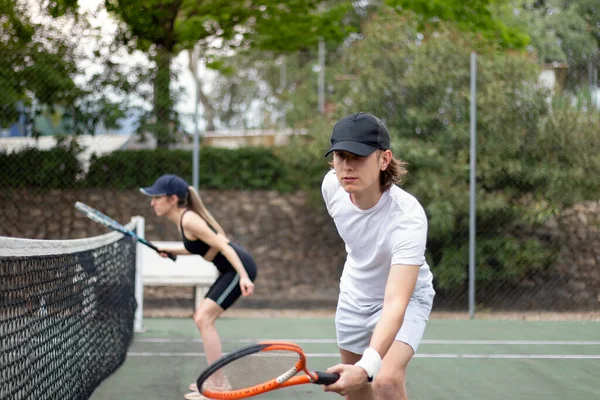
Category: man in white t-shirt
[386,290]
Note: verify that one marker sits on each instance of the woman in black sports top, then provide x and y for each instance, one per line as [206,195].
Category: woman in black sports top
[174,199]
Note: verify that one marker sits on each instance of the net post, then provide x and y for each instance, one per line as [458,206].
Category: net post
[138,324]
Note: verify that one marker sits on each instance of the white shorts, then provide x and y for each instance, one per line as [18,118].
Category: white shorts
[355,320]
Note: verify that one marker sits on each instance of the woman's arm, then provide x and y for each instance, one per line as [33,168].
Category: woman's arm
[179,251]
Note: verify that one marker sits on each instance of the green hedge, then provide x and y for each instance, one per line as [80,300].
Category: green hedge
[58,168]
[128,169]
[241,169]
[245,168]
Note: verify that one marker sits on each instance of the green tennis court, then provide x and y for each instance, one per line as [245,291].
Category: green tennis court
[458,359]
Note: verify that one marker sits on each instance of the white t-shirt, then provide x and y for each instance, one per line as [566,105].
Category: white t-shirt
[394,231]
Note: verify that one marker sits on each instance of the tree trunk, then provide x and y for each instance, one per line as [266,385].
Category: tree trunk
[164,113]
[209,110]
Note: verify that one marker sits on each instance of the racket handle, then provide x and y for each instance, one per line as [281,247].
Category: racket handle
[325,378]
[153,247]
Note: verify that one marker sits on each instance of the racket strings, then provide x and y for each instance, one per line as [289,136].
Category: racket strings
[251,370]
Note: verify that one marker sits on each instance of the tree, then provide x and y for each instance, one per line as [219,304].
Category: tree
[255,80]
[39,65]
[589,10]
[475,16]
[532,159]
[563,31]
[163,28]
[202,98]
[300,96]
[558,29]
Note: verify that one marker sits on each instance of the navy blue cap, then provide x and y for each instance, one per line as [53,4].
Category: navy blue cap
[359,134]
[167,185]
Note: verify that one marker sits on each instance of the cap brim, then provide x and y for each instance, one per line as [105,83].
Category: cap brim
[150,191]
[360,149]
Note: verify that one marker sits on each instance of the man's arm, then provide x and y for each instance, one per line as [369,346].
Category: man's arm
[398,291]
[399,288]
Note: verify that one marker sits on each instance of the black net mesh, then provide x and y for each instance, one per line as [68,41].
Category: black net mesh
[66,320]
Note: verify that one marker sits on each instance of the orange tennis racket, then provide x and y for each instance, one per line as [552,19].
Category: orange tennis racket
[258,369]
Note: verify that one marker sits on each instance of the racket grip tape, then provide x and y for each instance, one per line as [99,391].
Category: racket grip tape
[325,378]
[153,247]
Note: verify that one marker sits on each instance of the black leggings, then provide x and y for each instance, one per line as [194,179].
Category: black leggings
[226,289]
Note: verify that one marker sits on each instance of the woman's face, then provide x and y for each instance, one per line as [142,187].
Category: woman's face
[163,204]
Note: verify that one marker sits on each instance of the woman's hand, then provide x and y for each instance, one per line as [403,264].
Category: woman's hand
[247,286]
[164,253]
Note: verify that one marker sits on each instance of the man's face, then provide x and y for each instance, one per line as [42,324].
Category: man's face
[356,173]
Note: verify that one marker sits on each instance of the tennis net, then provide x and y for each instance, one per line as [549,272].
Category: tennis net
[66,314]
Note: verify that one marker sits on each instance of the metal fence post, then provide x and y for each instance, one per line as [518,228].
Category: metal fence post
[321,76]
[195,154]
[472,178]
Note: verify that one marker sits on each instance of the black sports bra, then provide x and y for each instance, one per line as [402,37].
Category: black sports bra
[194,246]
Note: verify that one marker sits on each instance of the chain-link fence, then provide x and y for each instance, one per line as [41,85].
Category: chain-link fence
[537,161]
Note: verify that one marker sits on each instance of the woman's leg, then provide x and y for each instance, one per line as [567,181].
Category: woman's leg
[205,318]
[222,294]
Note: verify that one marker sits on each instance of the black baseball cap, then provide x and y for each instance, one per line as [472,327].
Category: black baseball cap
[359,134]
[167,185]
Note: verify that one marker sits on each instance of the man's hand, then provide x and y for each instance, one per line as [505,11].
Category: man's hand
[351,379]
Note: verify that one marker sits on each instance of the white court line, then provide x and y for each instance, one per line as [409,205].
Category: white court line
[418,355]
[516,356]
[425,341]
[527,342]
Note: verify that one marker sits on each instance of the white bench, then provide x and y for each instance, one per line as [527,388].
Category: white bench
[188,270]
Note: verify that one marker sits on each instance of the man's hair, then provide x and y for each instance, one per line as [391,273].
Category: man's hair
[393,174]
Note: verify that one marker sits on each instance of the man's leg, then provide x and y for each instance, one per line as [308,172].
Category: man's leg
[364,393]
[390,383]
